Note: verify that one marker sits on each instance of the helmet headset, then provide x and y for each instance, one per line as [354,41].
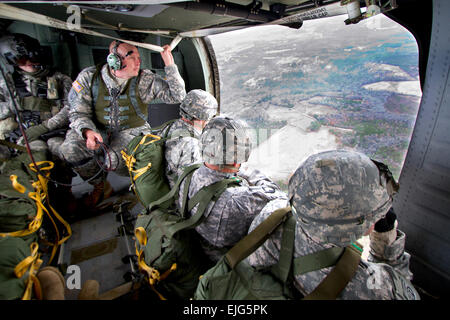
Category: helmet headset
[114,59]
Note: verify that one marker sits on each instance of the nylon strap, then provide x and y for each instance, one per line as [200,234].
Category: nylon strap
[171,194]
[185,195]
[204,197]
[339,277]
[206,190]
[256,238]
[318,260]
[282,268]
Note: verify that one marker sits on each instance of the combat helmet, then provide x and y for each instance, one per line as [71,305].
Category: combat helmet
[17,46]
[337,195]
[225,141]
[198,105]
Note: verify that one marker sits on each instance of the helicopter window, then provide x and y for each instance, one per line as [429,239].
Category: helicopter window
[324,86]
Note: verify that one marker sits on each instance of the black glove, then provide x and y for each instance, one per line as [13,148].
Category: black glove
[387,223]
[34,132]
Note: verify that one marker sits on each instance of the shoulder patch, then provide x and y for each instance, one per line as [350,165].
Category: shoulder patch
[77,86]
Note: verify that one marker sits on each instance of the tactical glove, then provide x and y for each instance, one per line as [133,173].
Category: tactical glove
[387,223]
[384,236]
[34,132]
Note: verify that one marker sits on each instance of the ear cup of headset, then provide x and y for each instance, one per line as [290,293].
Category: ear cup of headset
[114,61]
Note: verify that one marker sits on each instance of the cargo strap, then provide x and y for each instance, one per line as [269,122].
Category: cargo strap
[30,264]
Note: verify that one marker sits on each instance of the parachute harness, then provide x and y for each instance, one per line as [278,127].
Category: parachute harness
[153,274]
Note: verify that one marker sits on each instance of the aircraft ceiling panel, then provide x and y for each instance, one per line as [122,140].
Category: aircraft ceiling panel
[170,18]
[174,15]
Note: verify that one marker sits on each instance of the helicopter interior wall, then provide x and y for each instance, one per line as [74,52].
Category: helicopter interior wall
[423,201]
[78,51]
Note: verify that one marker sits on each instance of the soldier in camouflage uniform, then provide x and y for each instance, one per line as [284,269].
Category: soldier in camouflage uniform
[40,92]
[182,146]
[339,196]
[225,145]
[109,104]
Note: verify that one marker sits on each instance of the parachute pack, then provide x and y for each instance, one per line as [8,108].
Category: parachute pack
[145,160]
[232,278]
[167,246]
[25,205]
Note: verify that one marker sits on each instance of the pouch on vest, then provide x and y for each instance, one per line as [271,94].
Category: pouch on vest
[144,158]
[167,246]
[232,278]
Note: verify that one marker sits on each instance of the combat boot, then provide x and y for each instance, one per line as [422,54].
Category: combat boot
[52,283]
[102,191]
[89,291]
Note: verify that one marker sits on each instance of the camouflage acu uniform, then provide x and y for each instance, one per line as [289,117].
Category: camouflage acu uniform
[182,147]
[228,219]
[374,279]
[82,115]
[55,118]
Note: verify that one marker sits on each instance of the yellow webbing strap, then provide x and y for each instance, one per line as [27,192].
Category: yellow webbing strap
[141,171]
[130,160]
[34,225]
[152,273]
[16,185]
[40,195]
[30,264]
